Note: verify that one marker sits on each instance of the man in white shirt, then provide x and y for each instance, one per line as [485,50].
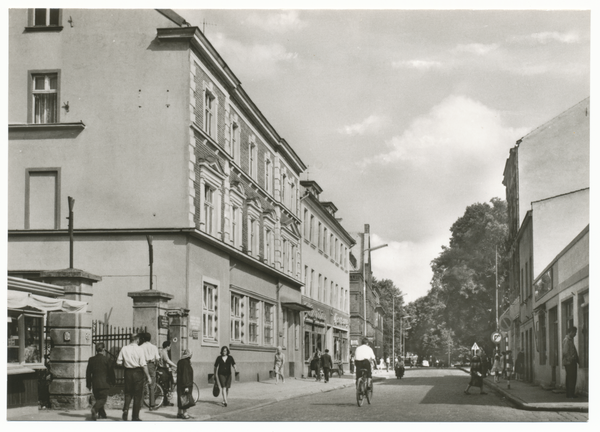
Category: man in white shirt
[132,357]
[152,358]
[362,359]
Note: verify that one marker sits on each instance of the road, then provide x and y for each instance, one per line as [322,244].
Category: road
[424,395]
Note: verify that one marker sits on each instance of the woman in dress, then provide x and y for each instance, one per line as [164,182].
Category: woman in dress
[223,365]
[497,367]
[476,374]
[278,365]
[185,381]
[315,364]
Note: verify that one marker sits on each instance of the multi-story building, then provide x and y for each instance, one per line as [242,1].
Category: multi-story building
[366,311]
[325,257]
[135,115]
[547,190]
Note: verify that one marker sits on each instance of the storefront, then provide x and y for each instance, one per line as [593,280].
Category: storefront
[29,303]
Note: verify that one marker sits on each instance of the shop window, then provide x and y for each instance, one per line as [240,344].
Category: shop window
[253,321]
[268,324]
[24,341]
[542,340]
[307,350]
[236,318]
[209,313]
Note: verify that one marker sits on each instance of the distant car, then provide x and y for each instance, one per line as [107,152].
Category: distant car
[425,363]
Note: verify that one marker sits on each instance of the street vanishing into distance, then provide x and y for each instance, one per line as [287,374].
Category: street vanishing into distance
[423,395]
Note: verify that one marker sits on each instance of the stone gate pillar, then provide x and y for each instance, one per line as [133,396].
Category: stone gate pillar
[149,311]
[178,325]
[71,334]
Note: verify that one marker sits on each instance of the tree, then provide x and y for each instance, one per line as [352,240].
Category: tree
[387,292]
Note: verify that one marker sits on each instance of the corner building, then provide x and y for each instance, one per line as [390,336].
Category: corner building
[325,256]
[134,114]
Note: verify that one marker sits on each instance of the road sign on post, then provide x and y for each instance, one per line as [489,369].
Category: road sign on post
[474,348]
[496,338]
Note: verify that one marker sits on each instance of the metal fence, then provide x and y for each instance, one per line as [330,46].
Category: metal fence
[114,338]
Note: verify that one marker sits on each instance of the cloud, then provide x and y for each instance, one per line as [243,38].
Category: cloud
[406,263]
[256,60]
[476,48]
[458,129]
[417,64]
[547,37]
[279,22]
[369,125]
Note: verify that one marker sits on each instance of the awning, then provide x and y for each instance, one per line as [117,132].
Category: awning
[296,306]
[19,300]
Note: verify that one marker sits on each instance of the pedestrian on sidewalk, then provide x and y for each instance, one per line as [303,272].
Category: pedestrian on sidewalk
[315,364]
[185,382]
[476,374]
[352,363]
[497,367]
[133,359]
[387,364]
[165,367]
[278,365]
[327,363]
[152,358]
[519,366]
[570,361]
[223,365]
[99,377]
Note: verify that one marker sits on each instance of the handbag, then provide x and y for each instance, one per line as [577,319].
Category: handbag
[216,390]
[186,400]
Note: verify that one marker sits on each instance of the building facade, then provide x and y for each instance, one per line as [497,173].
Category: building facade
[547,190]
[325,258]
[135,115]
[366,311]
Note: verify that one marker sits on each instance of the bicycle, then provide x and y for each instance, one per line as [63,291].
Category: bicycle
[160,395]
[361,389]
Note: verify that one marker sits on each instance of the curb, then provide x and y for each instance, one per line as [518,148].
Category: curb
[521,404]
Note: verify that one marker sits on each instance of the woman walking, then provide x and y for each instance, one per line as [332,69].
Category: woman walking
[223,365]
[476,374]
[315,364]
[278,365]
[498,367]
[185,381]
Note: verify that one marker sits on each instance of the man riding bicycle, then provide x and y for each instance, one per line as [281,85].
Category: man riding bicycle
[362,360]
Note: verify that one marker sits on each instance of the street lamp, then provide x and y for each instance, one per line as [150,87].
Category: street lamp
[365,285]
[394,330]
[402,329]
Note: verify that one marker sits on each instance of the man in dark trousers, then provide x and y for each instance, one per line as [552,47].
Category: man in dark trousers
[327,364]
[133,359]
[570,361]
[99,376]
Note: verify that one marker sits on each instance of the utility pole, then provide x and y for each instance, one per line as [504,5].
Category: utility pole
[151,256]
[497,318]
[71,205]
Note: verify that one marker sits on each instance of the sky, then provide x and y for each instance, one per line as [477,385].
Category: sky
[404,117]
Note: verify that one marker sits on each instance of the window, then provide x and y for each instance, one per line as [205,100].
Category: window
[268,176]
[333,295]
[290,258]
[293,197]
[331,246]
[269,246]
[209,209]
[209,113]
[236,318]
[312,283]
[283,191]
[235,225]
[25,335]
[305,288]
[254,321]
[325,291]
[252,161]
[44,98]
[46,17]
[284,251]
[312,228]
[253,237]
[325,243]
[320,286]
[268,324]
[42,198]
[306,225]
[209,313]
[320,233]
[235,142]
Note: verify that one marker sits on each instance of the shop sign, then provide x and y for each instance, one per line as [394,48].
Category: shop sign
[163,322]
[315,314]
[340,321]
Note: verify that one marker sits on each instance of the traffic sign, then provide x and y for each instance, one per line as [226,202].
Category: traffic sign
[475,347]
[496,338]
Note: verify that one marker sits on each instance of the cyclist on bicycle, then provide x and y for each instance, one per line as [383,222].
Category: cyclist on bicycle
[362,360]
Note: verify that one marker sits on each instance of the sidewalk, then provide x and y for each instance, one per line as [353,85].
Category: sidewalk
[242,397]
[533,397]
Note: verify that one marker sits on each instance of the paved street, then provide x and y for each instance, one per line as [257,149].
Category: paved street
[424,395]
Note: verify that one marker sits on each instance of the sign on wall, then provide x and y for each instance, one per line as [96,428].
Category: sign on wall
[194,327]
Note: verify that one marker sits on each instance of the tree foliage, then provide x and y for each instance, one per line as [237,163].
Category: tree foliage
[392,300]
[460,307]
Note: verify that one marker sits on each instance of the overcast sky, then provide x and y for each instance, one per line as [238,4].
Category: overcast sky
[405,117]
